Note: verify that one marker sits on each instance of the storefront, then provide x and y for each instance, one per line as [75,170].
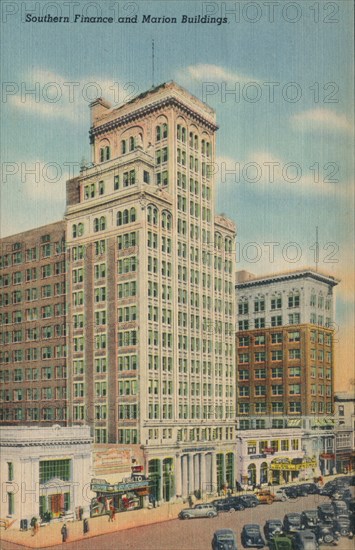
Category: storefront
[124,496]
[284,470]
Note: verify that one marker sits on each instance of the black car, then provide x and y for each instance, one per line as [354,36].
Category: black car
[342,526]
[224,539]
[302,490]
[326,513]
[340,508]
[291,492]
[325,533]
[251,536]
[272,527]
[228,504]
[309,519]
[309,488]
[305,540]
[292,522]
[249,501]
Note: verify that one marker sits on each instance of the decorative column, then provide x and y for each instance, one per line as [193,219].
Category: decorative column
[202,473]
[184,476]
[178,476]
[214,472]
[191,474]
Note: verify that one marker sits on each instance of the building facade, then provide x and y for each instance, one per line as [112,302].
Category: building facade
[45,470]
[344,413]
[285,348]
[33,326]
[150,291]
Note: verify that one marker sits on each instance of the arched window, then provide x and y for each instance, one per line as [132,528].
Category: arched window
[102,223]
[131,143]
[96,225]
[132,214]
[125,216]
[80,229]
[196,142]
[123,147]
[203,147]
[165,131]
[74,229]
[155,216]
[107,152]
[119,218]
[157,133]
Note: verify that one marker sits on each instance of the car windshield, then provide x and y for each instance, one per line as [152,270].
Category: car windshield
[293,519]
[226,537]
[311,513]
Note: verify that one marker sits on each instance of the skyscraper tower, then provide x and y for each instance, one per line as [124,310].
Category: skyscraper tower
[151,291]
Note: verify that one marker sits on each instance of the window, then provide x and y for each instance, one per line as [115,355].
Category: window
[260,391]
[276,372]
[276,338]
[276,320]
[243,308]
[294,371]
[276,303]
[294,389]
[49,469]
[294,336]
[294,407]
[294,300]
[259,305]
[259,340]
[294,318]
[259,356]
[277,407]
[294,354]
[276,355]
[259,322]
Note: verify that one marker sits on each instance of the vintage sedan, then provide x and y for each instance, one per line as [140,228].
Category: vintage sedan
[199,511]
[251,536]
[292,522]
[309,519]
[305,540]
[224,539]
[272,528]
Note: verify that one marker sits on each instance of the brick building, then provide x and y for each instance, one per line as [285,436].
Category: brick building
[285,347]
[32,320]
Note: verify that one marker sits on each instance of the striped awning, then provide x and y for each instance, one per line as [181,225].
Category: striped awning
[294,423]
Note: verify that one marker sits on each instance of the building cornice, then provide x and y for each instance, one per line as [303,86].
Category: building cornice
[138,114]
[45,443]
[287,277]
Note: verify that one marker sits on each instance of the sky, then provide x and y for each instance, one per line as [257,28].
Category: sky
[280,77]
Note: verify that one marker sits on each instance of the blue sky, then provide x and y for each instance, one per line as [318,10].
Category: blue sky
[304,132]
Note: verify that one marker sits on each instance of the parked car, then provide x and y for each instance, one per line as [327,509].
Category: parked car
[326,513]
[302,490]
[265,496]
[228,504]
[224,539]
[249,501]
[325,533]
[280,494]
[291,492]
[342,526]
[309,519]
[310,488]
[280,542]
[305,540]
[340,508]
[251,536]
[199,511]
[292,522]
[272,527]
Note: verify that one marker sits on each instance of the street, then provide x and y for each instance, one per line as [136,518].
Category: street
[193,534]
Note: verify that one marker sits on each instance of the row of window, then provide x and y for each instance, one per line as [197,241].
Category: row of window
[46,352]
[293,407]
[45,250]
[32,334]
[276,355]
[32,314]
[33,394]
[293,300]
[262,374]
[33,414]
[33,374]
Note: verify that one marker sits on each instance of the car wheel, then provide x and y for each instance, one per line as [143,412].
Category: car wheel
[241,507]
[252,505]
[283,499]
[232,510]
[328,538]
[210,515]
[344,532]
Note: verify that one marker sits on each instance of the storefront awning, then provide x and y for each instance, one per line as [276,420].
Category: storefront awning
[101,486]
[294,467]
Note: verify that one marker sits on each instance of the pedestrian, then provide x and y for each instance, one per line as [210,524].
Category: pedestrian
[85,526]
[64,531]
[190,501]
[35,526]
[110,514]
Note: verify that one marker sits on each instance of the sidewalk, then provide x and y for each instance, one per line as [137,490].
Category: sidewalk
[50,534]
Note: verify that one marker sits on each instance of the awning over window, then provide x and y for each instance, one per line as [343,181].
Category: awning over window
[294,423]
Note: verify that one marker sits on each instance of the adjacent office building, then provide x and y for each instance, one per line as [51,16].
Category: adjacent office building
[32,327]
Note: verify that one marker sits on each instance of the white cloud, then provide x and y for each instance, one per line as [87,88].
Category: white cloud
[53,95]
[268,171]
[206,72]
[321,119]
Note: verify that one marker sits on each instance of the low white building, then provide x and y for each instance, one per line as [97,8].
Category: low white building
[44,470]
[272,456]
